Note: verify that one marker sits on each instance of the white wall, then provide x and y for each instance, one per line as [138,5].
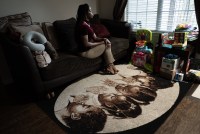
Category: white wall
[51,10]
[45,10]
[106,8]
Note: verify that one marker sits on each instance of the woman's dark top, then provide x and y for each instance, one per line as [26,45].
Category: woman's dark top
[84,29]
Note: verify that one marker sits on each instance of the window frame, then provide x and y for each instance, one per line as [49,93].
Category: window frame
[158,17]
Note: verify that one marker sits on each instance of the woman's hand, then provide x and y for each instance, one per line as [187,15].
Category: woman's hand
[107,42]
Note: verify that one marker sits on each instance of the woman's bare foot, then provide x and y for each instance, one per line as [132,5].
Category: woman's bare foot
[115,69]
[110,69]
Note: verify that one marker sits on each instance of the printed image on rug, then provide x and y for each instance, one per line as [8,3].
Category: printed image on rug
[115,103]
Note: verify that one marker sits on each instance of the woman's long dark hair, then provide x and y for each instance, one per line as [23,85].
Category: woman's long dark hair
[80,17]
[81,13]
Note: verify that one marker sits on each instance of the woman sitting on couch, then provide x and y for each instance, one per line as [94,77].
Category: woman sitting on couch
[91,46]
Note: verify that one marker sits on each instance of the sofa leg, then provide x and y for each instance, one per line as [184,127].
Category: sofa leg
[48,96]
[52,94]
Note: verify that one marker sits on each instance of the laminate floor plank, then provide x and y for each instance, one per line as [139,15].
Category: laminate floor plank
[27,119]
[185,119]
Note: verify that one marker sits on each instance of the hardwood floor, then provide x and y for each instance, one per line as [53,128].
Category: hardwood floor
[27,119]
[24,117]
[184,119]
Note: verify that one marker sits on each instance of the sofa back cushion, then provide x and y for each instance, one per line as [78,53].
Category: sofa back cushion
[21,19]
[22,30]
[65,30]
[99,29]
[3,24]
[119,29]
[50,34]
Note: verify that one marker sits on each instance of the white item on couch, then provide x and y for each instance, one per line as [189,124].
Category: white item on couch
[42,58]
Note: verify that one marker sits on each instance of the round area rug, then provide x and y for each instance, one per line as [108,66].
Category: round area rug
[115,103]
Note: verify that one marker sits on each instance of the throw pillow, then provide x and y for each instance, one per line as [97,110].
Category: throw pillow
[51,50]
[22,30]
[50,34]
[22,19]
[17,32]
[100,30]
[65,30]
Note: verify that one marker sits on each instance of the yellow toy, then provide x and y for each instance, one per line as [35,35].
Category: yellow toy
[144,45]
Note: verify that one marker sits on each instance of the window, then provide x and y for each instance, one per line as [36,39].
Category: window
[160,15]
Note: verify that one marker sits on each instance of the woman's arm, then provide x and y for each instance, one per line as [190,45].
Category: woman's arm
[106,41]
[91,44]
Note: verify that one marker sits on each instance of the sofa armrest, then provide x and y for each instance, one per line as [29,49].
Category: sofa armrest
[119,29]
[22,66]
[33,72]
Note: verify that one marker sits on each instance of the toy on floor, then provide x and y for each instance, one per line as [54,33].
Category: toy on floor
[143,45]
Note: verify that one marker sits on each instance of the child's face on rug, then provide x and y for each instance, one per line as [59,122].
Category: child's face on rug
[119,106]
[127,89]
[80,108]
[110,99]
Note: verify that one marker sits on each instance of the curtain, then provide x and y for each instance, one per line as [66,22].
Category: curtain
[197,10]
[119,9]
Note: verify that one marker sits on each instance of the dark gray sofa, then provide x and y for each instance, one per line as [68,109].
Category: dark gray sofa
[67,68]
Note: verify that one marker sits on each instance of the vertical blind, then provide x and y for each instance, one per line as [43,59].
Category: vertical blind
[160,15]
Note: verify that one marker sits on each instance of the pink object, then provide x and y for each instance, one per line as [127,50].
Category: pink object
[139,59]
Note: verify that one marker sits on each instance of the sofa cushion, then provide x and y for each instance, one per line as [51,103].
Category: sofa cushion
[21,19]
[3,24]
[17,32]
[119,29]
[65,30]
[68,64]
[100,30]
[50,34]
[119,45]
[22,30]
[51,50]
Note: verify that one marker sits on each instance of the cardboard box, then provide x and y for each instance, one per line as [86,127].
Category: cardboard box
[170,64]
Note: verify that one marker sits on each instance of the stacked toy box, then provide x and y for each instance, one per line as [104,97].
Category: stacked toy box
[169,66]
